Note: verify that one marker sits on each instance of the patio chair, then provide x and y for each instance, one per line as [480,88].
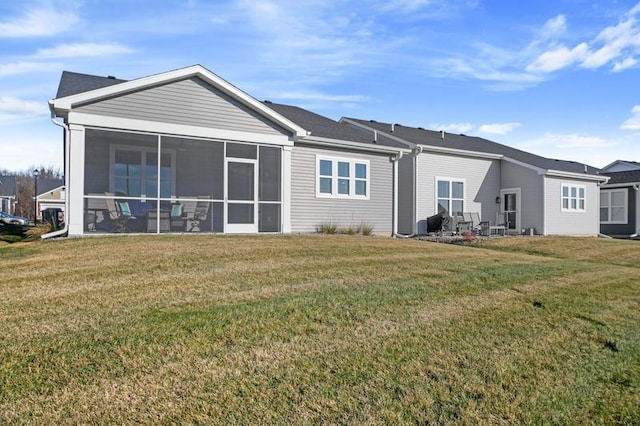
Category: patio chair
[481,227]
[119,214]
[195,212]
[178,222]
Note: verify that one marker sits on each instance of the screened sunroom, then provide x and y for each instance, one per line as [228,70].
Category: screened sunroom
[152,183]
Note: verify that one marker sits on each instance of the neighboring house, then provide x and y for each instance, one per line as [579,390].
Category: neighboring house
[186,151]
[51,197]
[458,173]
[7,194]
[620,200]
[621,166]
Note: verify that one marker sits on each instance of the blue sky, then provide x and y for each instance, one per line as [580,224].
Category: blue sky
[557,78]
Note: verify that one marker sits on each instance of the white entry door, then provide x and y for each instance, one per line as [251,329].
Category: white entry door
[241,196]
[510,207]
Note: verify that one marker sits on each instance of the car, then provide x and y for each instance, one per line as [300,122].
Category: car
[9,219]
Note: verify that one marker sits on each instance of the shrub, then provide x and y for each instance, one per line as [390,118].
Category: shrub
[366,229]
[327,228]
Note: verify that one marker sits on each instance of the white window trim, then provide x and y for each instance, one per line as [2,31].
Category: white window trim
[352,178]
[577,198]
[450,179]
[143,150]
[626,206]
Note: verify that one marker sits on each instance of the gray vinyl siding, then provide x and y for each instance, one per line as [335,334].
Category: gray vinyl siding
[482,184]
[572,223]
[623,229]
[308,212]
[406,209]
[188,102]
[531,186]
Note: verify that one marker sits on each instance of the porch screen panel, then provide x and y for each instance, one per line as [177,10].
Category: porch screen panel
[199,167]
[241,181]
[269,189]
[270,176]
[269,217]
[113,160]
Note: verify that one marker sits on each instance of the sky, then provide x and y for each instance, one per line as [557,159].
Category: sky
[557,78]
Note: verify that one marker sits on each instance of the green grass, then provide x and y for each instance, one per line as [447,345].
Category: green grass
[320,329]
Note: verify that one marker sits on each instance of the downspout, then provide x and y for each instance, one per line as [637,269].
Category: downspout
[65,229]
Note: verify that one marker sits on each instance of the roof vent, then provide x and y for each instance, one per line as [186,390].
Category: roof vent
[375,136]
[585,168]
[267,102]
[111,77]
[442,134]
[393,127]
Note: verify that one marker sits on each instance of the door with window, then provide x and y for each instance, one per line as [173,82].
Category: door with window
[241,196]
[511,209]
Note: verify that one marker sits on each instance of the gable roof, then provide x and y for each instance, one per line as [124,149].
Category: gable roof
[78,89]
[472,144]
[8,186]
[72,83]
[627,177]
[47,185]
[319,126]
[622,165]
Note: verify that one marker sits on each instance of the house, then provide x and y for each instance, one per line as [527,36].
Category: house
[458,173]
[50,199]
[186,151]
[8,193]
[620,200]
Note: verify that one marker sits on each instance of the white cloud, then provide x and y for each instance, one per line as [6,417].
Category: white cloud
[608,47]
[404,5]
[498,128]
[571,141]
[83,50]
[316,96]
[624,64]
[553,27]
[38,22]
[26,67]
[558,58]
[453,127]
[633,123]
[13,106]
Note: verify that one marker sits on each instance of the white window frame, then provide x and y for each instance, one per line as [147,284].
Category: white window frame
[451,198]
[143,151]
[569,198]
[609,192]
[352,178]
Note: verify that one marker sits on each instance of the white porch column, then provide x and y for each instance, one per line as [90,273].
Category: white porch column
[75,192]
[286,189]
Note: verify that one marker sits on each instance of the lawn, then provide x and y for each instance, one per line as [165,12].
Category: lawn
[319,330]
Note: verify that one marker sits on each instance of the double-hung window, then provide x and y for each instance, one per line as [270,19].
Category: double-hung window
[136,172]
[573,198]
[342,178]
[450,195]
[613,206]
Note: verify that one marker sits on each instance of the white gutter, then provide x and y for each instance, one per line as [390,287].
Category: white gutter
[65,229]
[633,185]
[317,140]
[572,175]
